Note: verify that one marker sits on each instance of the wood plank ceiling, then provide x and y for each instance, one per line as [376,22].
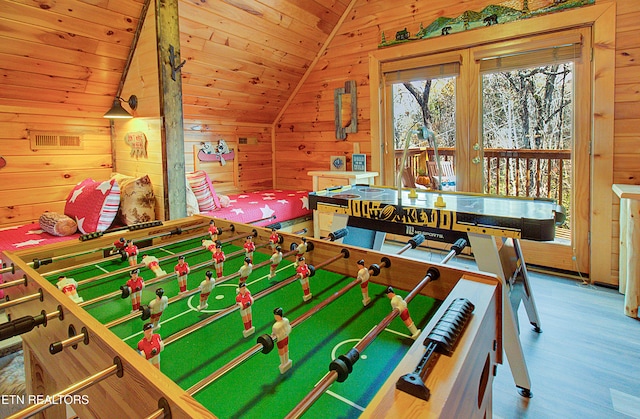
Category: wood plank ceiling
[244,57]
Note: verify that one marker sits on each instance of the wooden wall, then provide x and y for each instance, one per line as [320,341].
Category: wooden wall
[251,168]
[142,80]
[306,127]
[35,181]
[626,144]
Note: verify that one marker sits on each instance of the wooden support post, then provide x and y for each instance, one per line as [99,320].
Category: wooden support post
[168,37]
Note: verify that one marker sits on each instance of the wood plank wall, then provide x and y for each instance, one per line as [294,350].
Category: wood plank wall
[626,144]
[142,80]
[250,170]
[306,127]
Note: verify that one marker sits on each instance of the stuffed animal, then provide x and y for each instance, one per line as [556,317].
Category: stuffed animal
[221,149]
[207,147]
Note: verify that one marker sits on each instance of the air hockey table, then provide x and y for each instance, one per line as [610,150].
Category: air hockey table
[492,225]
[95,340]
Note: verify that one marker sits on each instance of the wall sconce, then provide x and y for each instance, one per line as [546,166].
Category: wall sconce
[118,112]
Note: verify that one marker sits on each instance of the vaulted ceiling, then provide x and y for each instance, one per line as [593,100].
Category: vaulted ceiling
[244,57]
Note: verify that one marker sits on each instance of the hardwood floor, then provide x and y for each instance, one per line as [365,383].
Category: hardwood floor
[586,361]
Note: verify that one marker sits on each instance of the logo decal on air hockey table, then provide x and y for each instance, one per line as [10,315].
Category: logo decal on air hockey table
[427,217]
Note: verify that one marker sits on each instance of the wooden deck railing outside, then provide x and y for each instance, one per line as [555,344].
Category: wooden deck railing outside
[511,172]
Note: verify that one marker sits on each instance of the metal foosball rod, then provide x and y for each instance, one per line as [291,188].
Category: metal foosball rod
[266,342]
[14,283]
[413,242]
[10,303]
[187,294]
[46,402]
[162,259]
[36,263]
[119,256]
[344,253]
[340,368]
[161,278]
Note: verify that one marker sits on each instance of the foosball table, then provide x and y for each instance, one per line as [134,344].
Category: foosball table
[284,327]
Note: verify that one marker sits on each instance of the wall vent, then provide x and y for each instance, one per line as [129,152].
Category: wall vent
[51,141]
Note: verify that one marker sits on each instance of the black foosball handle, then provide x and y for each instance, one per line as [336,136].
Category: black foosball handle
[441,340]
[22,325]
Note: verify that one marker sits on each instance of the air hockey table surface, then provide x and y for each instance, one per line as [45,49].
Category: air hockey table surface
[378,207]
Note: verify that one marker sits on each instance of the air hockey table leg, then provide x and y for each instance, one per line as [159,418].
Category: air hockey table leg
[488,259]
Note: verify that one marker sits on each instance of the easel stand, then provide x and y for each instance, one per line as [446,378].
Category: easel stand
[508,264]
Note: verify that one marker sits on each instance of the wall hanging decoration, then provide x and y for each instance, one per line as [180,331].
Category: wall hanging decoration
[137,141]
[221,152]
[338,162]
[490,15]
[346,109]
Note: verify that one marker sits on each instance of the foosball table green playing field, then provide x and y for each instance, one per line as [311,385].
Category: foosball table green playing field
[323,331]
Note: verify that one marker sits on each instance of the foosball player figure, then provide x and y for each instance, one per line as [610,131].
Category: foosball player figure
[303,273]
[245,270]
[244,301]
[301,250]
[363,277]
[118,248]
[133,288]
[182,270]
[206,287]
[69,287]
[218,259]
[213,231]
[398,303]
[274,238]
[157,306]
[132,253]
[276,258]
[153,263]
[151,345]
[249,247]
[281,329]
[210,245]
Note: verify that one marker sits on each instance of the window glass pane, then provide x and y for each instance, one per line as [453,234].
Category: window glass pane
[527,126]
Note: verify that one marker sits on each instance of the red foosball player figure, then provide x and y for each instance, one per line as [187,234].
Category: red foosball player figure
[245,270]
[132,253]
[276,258]
[118,247]
[133,288]
[69,287]
[303,273]
[218,259]
[213,231]
[274,238]
[151,345]
[157,306]
[398,303]
[249,247]
[206,287]
[153,263]
[301,250]
[245,300]
[363,277]
[281,329]
[182,270]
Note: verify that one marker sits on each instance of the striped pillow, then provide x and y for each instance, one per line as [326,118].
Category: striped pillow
[93,205]
[203,189]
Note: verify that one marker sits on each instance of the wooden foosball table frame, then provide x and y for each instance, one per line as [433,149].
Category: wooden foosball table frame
[460,385]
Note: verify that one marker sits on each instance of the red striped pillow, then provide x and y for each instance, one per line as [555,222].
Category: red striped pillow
[203,190]
[93,205]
